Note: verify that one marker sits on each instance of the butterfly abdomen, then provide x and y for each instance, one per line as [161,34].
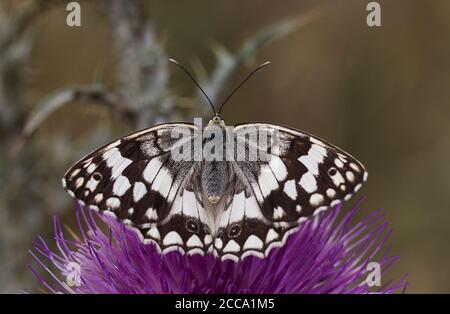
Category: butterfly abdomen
[214,177]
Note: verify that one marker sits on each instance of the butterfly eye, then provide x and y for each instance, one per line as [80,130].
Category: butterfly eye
[235,231]
[332,171]
[97,176]
[192,226]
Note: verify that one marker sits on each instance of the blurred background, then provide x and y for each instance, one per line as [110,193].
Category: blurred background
[381,93]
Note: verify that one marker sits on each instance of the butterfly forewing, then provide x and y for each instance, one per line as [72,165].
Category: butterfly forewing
[303,175]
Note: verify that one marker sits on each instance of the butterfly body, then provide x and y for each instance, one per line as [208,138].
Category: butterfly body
[241,192]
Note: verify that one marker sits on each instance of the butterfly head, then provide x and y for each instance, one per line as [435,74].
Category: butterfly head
[216,121]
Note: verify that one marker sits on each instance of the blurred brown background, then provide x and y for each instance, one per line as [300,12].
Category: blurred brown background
[380,93]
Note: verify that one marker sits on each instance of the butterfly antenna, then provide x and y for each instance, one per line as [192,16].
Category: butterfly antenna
[198,85]
[242,83]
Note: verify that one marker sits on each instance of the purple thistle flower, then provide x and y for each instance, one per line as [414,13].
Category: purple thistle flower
[327,255]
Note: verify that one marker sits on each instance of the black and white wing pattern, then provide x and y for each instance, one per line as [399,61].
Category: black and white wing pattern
[136,180]
[302,176]
[242,229]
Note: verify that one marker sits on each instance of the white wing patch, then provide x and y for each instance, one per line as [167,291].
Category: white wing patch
[278,168]
[152,169]
[116,162]
[308,182]
[139,190]
[121,185]
[290,189]
[162,182]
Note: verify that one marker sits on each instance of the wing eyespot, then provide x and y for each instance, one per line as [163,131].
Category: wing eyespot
[234,231]
[332,172]
[97,176]
[192,226]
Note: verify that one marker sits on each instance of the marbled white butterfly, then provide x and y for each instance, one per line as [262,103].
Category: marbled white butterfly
[231,207]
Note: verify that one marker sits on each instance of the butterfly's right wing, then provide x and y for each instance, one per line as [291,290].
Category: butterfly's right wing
[301,177]
[137,180]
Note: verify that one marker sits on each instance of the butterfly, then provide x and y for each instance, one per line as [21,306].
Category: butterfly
[233,207]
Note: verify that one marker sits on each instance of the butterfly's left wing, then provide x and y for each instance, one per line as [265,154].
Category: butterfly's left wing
[137,180]
[301,176]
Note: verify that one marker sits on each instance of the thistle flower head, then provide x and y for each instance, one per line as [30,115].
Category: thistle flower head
[328,254]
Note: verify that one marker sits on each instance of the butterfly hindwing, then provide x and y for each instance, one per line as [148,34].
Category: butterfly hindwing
[243,230]
[186,229]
